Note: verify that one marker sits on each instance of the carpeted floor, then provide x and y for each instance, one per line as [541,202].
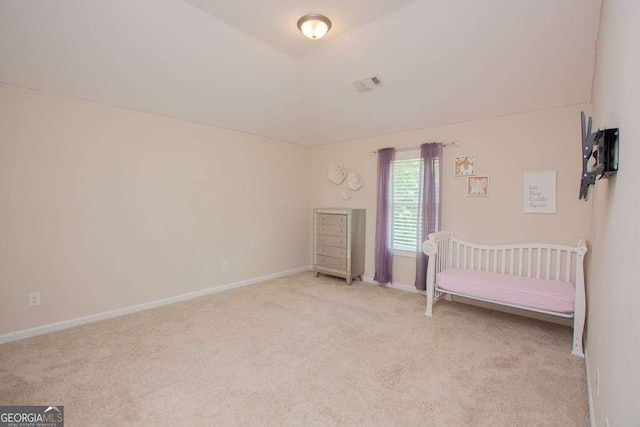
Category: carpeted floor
[303,351]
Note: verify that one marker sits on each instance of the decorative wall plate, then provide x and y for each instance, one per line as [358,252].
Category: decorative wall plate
[354,181]
[336,173]
[346,194]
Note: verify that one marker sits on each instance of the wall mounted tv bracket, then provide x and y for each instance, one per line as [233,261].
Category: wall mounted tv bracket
[599,155]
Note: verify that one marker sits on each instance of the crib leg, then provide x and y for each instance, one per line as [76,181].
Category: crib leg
[578,329]
[577,345]
[429,311]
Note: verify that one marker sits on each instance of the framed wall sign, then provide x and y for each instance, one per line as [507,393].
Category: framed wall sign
[464,166]
[540,192]
[478,186]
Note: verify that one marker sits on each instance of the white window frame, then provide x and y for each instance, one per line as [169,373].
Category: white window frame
[402,155]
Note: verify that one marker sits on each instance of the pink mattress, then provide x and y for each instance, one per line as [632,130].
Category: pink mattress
[503,288]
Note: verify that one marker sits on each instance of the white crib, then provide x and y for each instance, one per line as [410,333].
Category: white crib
[535,265]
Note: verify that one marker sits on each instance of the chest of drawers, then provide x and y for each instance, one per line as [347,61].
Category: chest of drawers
[338,242]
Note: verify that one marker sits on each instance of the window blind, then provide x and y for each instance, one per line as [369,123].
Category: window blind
[406,187]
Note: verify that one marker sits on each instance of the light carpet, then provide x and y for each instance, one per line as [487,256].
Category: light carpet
[303,351]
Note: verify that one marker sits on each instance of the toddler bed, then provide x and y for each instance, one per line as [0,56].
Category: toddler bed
[539,277]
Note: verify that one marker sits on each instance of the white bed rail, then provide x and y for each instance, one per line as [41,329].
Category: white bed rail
[534,260]
[550,262]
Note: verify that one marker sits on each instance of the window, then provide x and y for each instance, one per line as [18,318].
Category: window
[405,172]
[406,185]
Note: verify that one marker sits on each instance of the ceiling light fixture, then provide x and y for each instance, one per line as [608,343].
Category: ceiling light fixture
[314,26]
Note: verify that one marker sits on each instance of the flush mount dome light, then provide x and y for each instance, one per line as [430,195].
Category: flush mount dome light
[314,26]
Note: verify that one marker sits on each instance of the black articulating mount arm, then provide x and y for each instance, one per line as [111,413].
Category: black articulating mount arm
[599,155]
[588,139]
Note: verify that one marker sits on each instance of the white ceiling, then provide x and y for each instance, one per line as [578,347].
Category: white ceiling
[275,22]
[243,65]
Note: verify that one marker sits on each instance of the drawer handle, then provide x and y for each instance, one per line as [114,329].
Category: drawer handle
[322,239]
[321,250]
[340,220]
[341,253]
[322,229]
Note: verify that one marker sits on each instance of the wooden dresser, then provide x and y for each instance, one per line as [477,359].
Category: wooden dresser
[338,242]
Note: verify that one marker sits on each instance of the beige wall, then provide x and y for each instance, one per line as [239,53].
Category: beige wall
[504,147]
[613,335]
[103,208]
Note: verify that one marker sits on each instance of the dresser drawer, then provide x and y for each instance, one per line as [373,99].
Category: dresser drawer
[333,230]
[331,219]
[340,242]
[331,251]
[329,262]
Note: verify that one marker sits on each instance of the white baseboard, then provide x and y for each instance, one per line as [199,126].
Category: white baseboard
[44,329]
[592,412]
[399,286]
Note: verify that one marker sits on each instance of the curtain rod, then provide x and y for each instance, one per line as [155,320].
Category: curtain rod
[444,144]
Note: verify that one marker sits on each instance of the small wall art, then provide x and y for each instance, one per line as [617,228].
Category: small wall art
[336,173]
[354,181]
[464,166]
[540,192]
[478,186]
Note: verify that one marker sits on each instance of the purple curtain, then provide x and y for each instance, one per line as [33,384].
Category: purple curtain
[384,252]
[429,206]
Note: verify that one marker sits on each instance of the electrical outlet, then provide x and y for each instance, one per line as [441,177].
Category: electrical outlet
[34,299]
[225,266]
[597,382]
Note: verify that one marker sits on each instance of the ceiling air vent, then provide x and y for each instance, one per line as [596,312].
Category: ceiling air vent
[367,84]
